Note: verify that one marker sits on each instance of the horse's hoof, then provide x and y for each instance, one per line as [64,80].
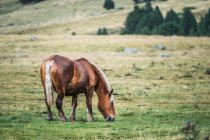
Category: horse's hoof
[63,119]
[89,119]
[72,119]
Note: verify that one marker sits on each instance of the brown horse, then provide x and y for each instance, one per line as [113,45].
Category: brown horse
[69,78]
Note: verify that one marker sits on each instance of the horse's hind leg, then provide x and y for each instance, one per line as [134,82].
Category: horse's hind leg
[89,95]
[73,107]
[49,112]
[59,103]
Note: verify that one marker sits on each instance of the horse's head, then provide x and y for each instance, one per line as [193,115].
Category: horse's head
[106,106]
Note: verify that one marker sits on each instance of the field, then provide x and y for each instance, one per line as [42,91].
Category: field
[161,84]
[157,89]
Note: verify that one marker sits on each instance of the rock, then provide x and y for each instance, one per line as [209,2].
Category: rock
[33,38]
[207,71]
[131,51]
[165,55]
[159,47]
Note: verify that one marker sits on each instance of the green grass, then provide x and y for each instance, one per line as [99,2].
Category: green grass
[154,96]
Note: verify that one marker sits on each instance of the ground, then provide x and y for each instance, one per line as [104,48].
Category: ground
[157,89]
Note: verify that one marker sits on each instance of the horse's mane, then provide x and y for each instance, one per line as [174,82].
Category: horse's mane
[101,74]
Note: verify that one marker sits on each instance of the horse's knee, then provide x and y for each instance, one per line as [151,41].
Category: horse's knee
[58,103]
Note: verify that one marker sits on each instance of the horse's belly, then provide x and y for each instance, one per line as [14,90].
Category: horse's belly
[71,91]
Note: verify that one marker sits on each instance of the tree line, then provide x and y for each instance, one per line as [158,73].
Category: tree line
[29,1]
[150,21]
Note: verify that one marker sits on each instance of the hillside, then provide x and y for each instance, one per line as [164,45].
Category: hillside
[80,16]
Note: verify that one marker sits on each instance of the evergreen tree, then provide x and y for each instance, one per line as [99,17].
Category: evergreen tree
[159,16]
[102,31]
[132,20]
[171,24]
[29,1]
[172,16]
[170,28]
[148,7]
[149,22]
[189,23]
[204,25]
[109,4]
[99,32]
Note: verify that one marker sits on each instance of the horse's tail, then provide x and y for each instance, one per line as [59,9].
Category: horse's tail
[48,83]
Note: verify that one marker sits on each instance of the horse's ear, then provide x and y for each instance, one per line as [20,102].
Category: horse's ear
[110,93]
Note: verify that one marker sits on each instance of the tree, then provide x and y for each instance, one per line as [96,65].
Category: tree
[141,1]
[148,23]
[109,4]
[132,20]
[159,16]
[172,16]
[204,25]
[189,23]
[29,1]
[170,28]
[148,7]
[102,31]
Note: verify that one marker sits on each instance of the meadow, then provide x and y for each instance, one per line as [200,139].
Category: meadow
[160,84]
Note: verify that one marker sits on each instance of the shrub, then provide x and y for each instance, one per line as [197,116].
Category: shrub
[109,4]
[102,31]
[29,1]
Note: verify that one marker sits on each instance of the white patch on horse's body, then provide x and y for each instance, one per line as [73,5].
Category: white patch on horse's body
[48,82]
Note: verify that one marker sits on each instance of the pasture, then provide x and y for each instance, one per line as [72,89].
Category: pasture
[157,89]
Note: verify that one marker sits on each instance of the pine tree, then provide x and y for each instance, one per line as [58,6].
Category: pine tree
[104,31]
[171,24]
[172,16]
[170,28]
[159,16]
[204,25]
[109,4]
[29,1]
[132,20]
[99,32]
[149,22]
[148,7]
[189,23]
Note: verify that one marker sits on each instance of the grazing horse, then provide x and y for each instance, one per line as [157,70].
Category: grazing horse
[69,78]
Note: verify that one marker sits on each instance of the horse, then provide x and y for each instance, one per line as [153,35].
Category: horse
[69,77]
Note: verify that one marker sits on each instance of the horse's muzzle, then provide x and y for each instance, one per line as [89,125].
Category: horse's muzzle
[110,118]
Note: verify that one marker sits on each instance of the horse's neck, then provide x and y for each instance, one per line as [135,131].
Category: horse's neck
[101,89]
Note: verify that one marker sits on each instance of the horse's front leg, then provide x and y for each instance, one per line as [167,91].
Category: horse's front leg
[59,103]
[89,95]
[73,107]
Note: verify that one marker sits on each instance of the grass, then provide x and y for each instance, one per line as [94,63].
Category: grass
[154,96]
